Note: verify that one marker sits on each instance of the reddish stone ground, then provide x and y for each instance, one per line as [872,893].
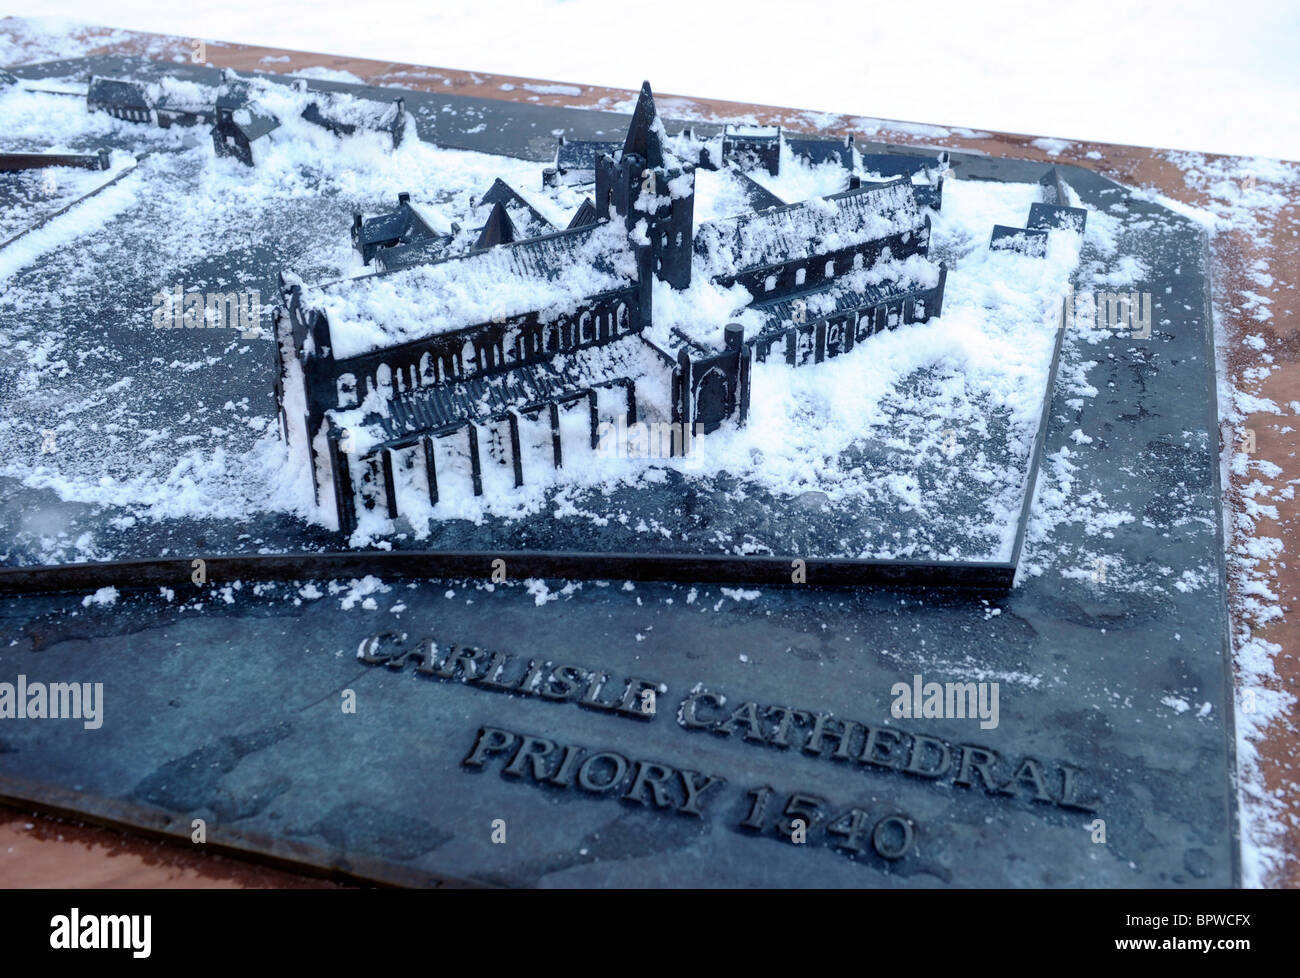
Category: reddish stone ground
[40,852]
[54,853]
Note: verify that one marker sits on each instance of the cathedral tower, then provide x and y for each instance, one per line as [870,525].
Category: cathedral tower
[652,193]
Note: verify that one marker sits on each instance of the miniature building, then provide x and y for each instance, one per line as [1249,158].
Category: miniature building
[815,152]
[7,79]
[652,196]
[121,99]
[575,159]
[401,226]
[1027,241]
[888,166]
[814,304]
[480,355]
[522,214]
[237,121]
[240,123]
[343,115]
[184,103]
[1052,213]
[926,173]
[500,216]
[748,147]
[165,103]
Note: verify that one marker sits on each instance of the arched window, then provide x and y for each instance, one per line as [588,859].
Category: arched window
[834,338]
[621,324]
[861,325]
[585,331]
[428,375]
[347,389]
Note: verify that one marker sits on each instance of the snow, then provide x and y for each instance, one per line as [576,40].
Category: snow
[81,219]
[825,225]
[103,597]
[1243,200]
[383,310]
[1052,147]
[318,73]
[986,356]
[1207,76]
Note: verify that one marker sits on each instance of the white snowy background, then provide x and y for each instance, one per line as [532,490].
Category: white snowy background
[1201,75]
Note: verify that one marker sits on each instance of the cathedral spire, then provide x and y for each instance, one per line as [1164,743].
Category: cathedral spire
[645,132]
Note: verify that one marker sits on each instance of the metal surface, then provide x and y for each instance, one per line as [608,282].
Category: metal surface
[233,712]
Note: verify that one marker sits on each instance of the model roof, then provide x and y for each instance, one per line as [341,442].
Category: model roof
[854,290]
[581,154]
[813,227]
[344,114]
[254,121]
[425,409]
[550,274]
[502,193]
[818,151]
[118,91]
[406,222]
[177,95]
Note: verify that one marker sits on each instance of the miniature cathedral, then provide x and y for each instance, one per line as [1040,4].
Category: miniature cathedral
[472,356]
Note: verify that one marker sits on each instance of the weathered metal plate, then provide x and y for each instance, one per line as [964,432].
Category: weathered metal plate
[233,712]
[236,714]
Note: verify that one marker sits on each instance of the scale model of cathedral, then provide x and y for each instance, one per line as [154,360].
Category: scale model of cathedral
[492,340]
